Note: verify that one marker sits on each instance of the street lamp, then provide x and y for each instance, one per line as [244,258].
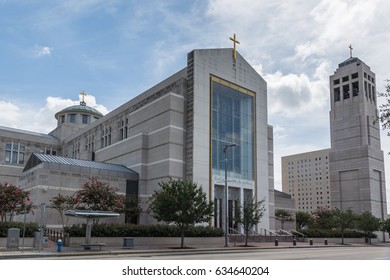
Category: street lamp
[226,196]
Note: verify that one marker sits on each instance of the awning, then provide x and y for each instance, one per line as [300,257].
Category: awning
[90,214]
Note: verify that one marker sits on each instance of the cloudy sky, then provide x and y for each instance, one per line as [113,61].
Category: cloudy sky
[50,51]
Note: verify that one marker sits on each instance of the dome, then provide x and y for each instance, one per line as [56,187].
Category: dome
[82,108]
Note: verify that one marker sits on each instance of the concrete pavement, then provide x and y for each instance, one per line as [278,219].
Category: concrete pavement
[51,249]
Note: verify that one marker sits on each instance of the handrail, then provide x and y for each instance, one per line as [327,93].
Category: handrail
[270,231]
[234,231]
[297,232]
[285,232]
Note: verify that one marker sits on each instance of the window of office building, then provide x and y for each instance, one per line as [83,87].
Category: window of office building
[232,117]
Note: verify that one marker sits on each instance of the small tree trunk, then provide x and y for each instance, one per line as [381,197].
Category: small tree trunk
[182,238]
[246,237]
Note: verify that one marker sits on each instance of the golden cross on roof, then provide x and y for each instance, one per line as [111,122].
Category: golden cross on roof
[83,94]
[235,41]
[350,50]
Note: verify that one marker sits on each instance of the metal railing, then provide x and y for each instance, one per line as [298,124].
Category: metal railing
[283,232]
[236,236]
[271,232]
[298,234]
[55,234]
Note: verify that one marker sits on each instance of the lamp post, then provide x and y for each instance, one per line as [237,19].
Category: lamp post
[226,197]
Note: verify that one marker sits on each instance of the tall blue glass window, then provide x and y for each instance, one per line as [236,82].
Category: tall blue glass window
[232,123]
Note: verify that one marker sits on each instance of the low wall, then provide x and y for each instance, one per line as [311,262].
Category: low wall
[338,240]
[28,242]
[151,241]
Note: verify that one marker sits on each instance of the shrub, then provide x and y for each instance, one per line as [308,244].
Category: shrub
[30,228]
[121,230]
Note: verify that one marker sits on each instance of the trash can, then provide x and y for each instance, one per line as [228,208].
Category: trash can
[128,242]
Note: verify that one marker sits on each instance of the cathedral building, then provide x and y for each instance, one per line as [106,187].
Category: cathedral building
[212,112]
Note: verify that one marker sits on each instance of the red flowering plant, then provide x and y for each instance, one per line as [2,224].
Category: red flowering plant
[62,203]
[13,201]
[99,196]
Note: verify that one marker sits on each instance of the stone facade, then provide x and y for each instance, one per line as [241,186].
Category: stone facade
[357,176]
[166,132]
[16,146]
[47,179]
[284,201]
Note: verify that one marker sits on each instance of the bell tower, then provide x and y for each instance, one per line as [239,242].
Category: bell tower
[357,176]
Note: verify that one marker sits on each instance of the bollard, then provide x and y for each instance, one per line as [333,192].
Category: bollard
[59,245]
[311,241]
[294,242]
[326,241]
[276,242]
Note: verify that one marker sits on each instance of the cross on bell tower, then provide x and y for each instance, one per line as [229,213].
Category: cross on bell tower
[350,50]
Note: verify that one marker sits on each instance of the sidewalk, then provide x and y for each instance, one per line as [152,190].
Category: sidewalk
[51,251]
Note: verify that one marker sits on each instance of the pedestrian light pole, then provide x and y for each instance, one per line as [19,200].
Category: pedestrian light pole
[226,196]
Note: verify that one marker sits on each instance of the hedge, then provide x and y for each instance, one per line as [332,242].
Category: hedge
[329,233]
[121,230]
[30,228]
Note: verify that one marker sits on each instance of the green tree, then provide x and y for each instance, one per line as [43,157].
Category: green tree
[303,219]
[13,201]
[384,109]
[368,223]
[182,203]
[133,210]
[97,195]
[250,215]
[323,218]
[343,220]
[283,216]
[386,225]
[62,203]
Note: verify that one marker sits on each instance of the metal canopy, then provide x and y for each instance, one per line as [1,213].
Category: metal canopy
[90,214]
[37,158]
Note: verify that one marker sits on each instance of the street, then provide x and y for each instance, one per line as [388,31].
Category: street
[321,253]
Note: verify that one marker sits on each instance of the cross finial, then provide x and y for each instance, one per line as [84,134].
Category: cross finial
[83,94]
[350,50]
[235,41]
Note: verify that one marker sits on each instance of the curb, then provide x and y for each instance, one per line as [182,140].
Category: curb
[24,255]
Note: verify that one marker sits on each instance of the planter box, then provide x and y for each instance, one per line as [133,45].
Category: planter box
[151,241]
[317,240]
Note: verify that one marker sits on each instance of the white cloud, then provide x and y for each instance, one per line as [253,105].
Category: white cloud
[40,51]
[9,114]
[296,95]
[27,117]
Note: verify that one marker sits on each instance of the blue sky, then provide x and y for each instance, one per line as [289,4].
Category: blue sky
[50,51]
